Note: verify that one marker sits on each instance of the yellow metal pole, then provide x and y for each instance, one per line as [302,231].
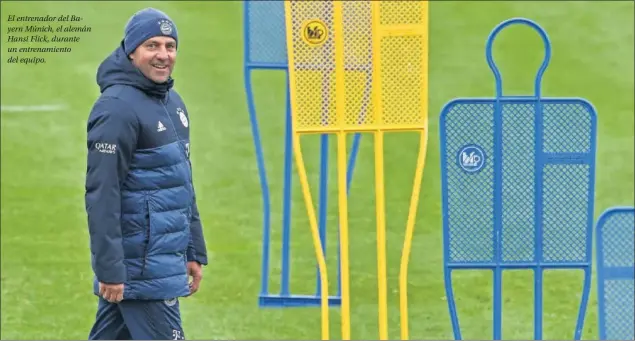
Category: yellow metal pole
[412,214]
[317,244]
[340,110]
[380,196]
[414,201]
[381,235]
[344,241]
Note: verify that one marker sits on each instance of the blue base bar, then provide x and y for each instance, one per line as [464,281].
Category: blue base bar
[273,301]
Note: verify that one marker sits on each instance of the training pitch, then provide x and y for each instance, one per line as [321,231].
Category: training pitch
[46,275]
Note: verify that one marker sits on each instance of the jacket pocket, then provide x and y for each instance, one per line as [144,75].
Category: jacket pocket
[146,243]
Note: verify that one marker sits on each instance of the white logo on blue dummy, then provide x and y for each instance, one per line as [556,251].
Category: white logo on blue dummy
[471,158]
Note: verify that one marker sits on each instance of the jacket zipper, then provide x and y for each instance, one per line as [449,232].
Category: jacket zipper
[178,140]
[147,241]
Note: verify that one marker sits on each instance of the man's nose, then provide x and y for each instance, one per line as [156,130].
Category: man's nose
[162,54]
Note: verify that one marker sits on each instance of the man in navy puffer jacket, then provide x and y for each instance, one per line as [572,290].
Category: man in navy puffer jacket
[146,238]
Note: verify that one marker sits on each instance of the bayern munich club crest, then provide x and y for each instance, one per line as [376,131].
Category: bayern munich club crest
[165,26]
[182,116]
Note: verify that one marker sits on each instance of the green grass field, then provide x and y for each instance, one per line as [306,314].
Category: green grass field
[46,274]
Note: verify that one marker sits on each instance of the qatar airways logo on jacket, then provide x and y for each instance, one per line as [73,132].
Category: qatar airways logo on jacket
[106,148]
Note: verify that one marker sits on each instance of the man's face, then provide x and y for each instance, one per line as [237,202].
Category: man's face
[156,58]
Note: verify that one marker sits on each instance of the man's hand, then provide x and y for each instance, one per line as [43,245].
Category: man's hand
[112,293]
[195,270]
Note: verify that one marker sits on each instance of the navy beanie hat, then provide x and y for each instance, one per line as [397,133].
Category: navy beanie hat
[145,24]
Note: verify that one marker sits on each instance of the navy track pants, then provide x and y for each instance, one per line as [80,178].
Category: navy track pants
[137,320]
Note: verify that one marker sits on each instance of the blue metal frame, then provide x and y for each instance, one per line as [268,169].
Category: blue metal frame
[542,158]
[612,273]
[285,298]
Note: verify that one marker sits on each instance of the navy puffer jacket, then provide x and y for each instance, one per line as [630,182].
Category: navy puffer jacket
[142,214]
